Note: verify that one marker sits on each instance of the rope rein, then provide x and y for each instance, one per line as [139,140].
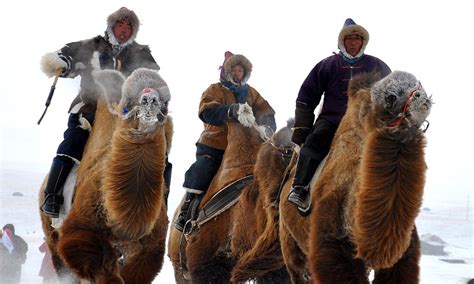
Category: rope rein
[403,114]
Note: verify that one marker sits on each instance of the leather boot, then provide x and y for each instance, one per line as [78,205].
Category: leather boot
[300,191]
[53,197]
[183,216]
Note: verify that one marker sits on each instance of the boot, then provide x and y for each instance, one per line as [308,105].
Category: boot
[183,217]
[305,169]
[299,195]
[58,174]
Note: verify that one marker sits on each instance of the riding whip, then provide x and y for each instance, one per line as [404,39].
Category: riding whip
[50,96]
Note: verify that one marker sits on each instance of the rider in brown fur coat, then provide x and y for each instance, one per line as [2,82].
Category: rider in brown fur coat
[226,100]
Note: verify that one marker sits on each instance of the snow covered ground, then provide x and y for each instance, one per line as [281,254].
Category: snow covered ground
[449,219]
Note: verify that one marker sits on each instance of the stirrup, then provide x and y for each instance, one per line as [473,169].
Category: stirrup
[179,225]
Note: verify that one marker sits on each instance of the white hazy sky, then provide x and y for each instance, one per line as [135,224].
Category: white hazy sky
[283,40]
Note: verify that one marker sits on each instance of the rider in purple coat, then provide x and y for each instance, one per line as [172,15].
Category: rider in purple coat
[330,77]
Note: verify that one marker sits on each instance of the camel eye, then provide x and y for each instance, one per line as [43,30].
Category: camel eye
[390,100]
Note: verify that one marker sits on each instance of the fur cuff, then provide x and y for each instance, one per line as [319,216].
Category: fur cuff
[51,63]
[195,191]
[85,124]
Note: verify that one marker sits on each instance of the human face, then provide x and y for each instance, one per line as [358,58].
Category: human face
[237,72]
[353,44]
[122,31]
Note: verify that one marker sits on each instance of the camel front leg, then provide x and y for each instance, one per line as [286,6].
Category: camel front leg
[331,253]
[144,258]
[407,269]
[88,254]
[294,258]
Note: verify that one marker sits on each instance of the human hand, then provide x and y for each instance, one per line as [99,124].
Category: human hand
[52,63]
[242,113]
[299,135]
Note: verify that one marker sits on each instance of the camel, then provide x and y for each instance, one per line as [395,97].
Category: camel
[208,254]
[116,229]
[368,193]
[259,254]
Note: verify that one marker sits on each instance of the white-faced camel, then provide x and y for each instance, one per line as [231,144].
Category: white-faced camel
[116,229]
[369,192]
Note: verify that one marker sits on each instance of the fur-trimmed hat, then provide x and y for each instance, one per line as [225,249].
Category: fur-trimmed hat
[351,28]
[10,227]
[122,14]
[232,60]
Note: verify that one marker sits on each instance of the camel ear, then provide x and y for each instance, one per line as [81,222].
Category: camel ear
[110,82]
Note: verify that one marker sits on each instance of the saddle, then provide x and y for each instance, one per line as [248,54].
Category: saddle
[220,202]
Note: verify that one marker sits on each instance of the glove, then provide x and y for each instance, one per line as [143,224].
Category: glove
[52,62]
[233,111]
[242,113]
[304,119]
[299,135]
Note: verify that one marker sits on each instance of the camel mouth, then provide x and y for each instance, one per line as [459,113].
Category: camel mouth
[419,107]
[400,100]
[151,110]
[413,110]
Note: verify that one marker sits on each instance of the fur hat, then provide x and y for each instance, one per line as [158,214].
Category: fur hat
[122,14]
[351,28]
[227,55]
[232,60]
[10,227]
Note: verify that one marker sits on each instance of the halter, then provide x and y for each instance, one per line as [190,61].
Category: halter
[404,113]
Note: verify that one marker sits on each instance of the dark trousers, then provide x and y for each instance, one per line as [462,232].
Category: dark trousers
[202,171]
[75,138]
[320,138]
[315,148]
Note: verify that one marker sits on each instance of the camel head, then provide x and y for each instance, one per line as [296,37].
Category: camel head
[143,97]
[400,100]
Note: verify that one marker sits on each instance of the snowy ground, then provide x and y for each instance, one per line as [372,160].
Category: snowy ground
[448,218]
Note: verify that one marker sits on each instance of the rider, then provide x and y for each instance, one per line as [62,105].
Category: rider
[118,50]
[221,102]
[330,77]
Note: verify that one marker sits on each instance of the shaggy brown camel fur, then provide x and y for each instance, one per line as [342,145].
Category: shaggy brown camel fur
[116,229]
[258,254]
[208,255]
[366,199]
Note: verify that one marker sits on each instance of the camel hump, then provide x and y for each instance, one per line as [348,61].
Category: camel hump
[111,82]
[363,80]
